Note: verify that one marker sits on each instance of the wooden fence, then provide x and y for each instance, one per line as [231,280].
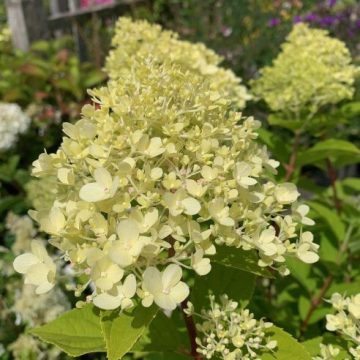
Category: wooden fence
[30,20]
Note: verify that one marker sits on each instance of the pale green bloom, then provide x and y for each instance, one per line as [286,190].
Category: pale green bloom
[311,71]
[346,323]
[231,333]
[161,172]
[142,39]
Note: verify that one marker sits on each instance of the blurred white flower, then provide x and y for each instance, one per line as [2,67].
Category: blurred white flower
[13,121]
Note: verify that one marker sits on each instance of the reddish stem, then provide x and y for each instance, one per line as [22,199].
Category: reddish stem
[291,166]
[316,301]
[191,329]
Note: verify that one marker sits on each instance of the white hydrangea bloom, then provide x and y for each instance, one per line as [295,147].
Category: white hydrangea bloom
[13,121]
[346,323]
[156,176]
[38,267]
[231,333]
[164,288]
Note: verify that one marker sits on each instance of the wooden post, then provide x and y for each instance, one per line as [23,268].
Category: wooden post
[27,20]
[17,25]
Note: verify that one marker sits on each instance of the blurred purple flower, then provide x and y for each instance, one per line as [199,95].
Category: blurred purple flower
[297,19]
[328,20]
[312,17]
[274,22]
[331,3]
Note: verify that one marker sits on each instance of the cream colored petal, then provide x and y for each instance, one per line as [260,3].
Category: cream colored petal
[103,178]
[23,262]
[38,249]
[107,302]
[191,206]
[180,292]
[165,302]
[93,192]
[171,276]
[44,288]
[120,256]
[129,286]
[128,230]
[152,280]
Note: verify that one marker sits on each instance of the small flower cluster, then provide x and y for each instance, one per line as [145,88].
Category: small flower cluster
[312,70]
[141,38]
[327,352]
[13,121]
[346,323]
[155,176]
[346,320]
[231,333]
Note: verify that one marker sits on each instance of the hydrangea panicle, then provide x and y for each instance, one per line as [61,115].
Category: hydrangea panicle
[320,68]
[157,174]
[231,333]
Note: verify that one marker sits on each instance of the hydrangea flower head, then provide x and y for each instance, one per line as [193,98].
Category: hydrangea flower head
[231,333]
[140,38]
[157,174]
[311,71]
[13,121]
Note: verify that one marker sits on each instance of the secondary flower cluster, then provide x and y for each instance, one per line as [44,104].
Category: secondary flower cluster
[312,70]
[231,333]
[140,38]
[13,121]
[156,175]
[346,323]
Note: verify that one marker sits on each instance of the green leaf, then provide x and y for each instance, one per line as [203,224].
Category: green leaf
[331,218]
[239,259]
[165,335]
[302,273]
[238,285]
[340,152]
[76,332]
[275,120]
[287,347]
[122,331]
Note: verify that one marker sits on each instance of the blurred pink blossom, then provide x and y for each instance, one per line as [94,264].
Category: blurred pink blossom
[87,3]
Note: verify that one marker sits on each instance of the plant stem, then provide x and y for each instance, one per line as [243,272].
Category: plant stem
[333,177]
[290,167]
[316,301]
[191,329]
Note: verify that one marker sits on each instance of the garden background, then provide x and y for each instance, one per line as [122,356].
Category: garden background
[49,82]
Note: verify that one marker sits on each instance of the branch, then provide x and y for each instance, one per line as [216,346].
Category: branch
[290,167]
[333,177]
[316,301]
[191,329]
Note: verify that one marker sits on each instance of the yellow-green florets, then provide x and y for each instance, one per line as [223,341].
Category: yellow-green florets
[311,71]
[140,38]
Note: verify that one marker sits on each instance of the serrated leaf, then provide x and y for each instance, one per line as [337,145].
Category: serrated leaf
[76,332]
[122,331]
[239,259]
[287,347]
